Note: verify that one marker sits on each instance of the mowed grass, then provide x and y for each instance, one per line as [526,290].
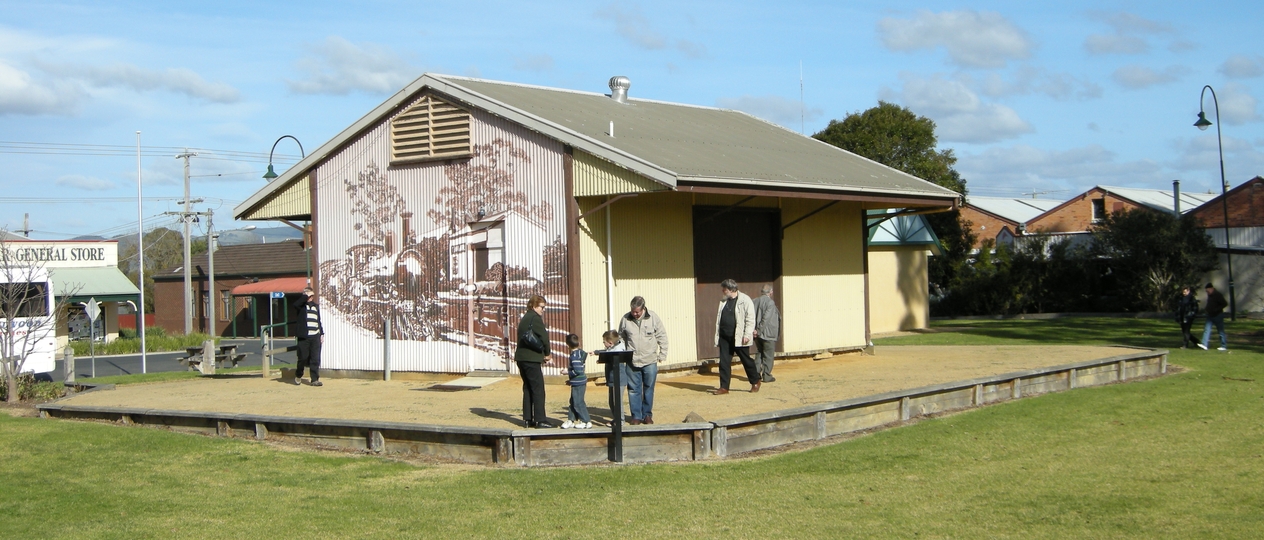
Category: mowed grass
[1174,457]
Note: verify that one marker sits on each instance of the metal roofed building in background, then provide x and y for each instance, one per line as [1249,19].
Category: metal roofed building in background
[1018,210]
[1161,199]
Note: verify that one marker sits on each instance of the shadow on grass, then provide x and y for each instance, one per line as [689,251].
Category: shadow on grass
[1150,333]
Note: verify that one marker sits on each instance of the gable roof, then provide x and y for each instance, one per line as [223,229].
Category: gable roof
[246,260]
[1016,210]
[1160,199]
[669,143]
[1213,209]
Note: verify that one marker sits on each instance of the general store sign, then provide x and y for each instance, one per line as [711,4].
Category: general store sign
[52,254]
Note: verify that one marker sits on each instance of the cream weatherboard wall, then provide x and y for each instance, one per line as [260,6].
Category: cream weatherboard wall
[823,282]
[898,296]
[652,251]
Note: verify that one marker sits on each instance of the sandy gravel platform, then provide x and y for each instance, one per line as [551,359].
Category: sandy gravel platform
[800,382]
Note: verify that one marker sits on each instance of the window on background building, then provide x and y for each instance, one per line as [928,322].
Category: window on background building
[225,303]
[1099,209]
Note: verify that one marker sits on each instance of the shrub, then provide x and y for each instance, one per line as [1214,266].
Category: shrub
[29,388]
[154,342]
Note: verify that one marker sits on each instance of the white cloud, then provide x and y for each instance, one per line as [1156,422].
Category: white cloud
[973,39]
[776,109]
[637,29]
[1137,77]
[535,62]
[1241,66]
[959,114]
[337,66]
[85,183]
[1198,157]
[178,80]
[1115,44]
[20,93]
[1072,170]
[1029,80]
[1237,105]
[1129,35]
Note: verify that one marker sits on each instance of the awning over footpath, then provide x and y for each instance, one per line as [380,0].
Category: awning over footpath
[282,285]
[105,284]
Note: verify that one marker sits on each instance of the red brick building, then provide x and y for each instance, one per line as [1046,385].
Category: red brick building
[237,315]
[1246,207]
[989,216]
[1246,240]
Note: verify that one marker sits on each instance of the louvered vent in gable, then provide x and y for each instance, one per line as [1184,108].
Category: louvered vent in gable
[430,129]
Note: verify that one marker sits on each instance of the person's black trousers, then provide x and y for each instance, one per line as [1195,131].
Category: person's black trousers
[1185,333]
[727,348]
[308,357]
[532,392]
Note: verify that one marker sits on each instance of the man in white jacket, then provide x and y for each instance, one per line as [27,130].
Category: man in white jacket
[734,330]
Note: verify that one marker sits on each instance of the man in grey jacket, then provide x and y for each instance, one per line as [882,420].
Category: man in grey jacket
[767,328]
[645,335]
[734,329]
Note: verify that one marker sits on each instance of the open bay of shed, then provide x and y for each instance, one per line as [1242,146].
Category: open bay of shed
[499,405]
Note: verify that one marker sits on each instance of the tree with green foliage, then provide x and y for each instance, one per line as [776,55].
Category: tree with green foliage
[164,248]
[1152,255]
[898,138]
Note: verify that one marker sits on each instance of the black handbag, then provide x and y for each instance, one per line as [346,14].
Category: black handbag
[528,339]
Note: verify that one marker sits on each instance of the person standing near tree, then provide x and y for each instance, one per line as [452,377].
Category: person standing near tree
[1186,311]
[645,335]
[311,335]
[767,327]
[1216,305]
[734,330]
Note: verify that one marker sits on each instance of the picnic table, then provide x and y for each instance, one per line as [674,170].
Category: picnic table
[225,355]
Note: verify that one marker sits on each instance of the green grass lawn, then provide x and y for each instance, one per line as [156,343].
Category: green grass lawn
[1175,457]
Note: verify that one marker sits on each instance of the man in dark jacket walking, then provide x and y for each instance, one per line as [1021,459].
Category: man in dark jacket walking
[1216,305]
[1186,311]
[311,334]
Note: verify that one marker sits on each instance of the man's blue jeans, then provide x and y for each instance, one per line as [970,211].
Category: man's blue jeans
[641,391]
[1217,320]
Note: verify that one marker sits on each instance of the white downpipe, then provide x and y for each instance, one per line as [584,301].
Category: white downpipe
[609,272]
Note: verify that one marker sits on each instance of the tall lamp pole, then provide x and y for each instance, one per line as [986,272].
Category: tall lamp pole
[271,175]
[1203,124]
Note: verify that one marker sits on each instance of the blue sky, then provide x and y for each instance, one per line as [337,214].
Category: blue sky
[1032,98]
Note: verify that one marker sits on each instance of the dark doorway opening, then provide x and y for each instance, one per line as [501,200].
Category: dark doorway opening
[743,244]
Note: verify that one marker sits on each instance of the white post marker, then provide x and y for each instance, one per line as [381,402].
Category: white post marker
[93,310]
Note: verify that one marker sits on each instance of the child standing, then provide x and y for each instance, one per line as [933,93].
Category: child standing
[577,378]
[615,344]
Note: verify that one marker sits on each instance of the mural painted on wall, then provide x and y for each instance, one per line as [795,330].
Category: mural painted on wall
[491,244]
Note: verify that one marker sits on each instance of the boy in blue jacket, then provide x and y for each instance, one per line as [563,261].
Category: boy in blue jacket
[577,414]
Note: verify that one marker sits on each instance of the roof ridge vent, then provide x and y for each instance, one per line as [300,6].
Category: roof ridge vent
[619,86]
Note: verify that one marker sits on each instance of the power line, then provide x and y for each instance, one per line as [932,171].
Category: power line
[19,147]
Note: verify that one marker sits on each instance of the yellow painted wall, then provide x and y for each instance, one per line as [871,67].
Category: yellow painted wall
[823,284]
[653,257]
[292,200]
[898,296]
[597,177]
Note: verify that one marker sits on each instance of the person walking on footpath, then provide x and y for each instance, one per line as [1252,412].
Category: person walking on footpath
[311,335]
[734,329]
[577,378]
[532,351]
[1186,311]
[645,335]
[767,327]
[1216,305]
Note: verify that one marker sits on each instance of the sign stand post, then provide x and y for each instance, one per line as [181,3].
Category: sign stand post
[616,359]
[93,310]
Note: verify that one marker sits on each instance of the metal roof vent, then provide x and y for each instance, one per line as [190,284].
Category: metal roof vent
[619,88]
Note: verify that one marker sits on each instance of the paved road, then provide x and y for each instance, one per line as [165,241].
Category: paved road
[168,361]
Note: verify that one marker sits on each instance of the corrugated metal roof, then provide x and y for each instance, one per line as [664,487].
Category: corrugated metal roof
[665,142]
[1018,210]
[1160,199]
[246,260]
[704,143]
[105,283]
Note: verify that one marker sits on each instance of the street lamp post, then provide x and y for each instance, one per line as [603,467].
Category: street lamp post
[271,175]
[1203,124]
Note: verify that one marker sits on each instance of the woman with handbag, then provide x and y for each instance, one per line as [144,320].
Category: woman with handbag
[533,351]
